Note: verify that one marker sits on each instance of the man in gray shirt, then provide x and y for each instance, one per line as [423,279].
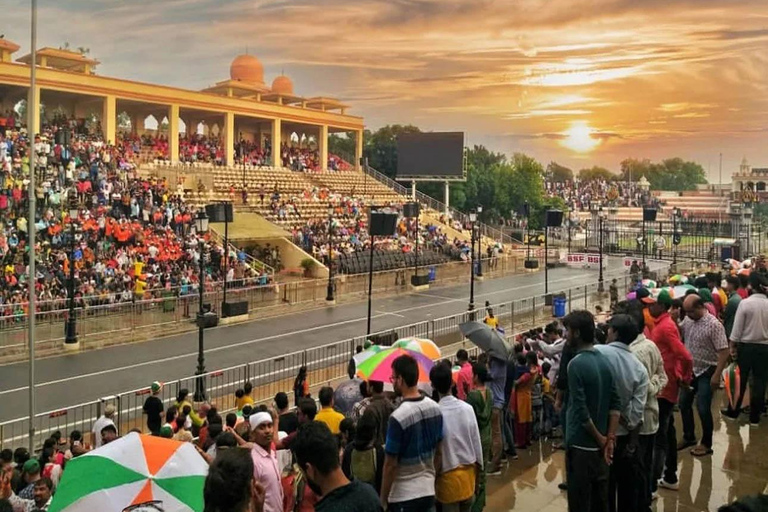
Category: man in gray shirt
[750,337]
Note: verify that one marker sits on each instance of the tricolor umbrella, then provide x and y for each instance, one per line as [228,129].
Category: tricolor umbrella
[379,366]
[132,470]
[365,354]
[421,345]
[649,283]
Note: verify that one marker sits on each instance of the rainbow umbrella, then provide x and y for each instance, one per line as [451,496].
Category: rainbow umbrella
[132,470]
[379,366]
[421,345]
[678,278]
[365,354]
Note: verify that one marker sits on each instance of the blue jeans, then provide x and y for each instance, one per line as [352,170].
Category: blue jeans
[702,390]
[425,504]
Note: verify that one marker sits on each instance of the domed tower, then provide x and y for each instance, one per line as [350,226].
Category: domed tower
[247,68]
[282,85]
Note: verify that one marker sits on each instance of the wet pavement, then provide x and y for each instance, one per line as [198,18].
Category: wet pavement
[738,467]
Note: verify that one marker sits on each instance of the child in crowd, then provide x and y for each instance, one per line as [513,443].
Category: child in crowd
[521,401]
[550,419]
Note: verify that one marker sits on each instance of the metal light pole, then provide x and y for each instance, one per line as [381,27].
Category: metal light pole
[528,229]
[31,123]
[70,328]
[675,235]
[600,218]
[644,241]
[201,223]
[479,247]
[471,308]
[329,296]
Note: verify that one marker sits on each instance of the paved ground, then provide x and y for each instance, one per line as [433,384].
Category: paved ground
[736,469]
[72,379]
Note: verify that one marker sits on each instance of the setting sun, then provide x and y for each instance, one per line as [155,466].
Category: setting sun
[579,137]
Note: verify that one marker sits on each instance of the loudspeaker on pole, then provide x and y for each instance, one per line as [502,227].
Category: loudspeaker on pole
[649,214]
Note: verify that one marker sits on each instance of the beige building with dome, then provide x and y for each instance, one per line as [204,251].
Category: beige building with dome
[241,107]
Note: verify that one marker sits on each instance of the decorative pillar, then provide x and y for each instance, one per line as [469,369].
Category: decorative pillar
[229,138]
[358,149]
[277,127]
[173,133]
[413,190]
[137,123]
[322,145]
[109,119]
[447,197]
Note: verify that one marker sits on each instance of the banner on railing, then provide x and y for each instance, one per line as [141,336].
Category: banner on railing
[582,259]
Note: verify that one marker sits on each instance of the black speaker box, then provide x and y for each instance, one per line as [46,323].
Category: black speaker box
[229,309]
[208,320]
[386,339]
[382,224]
[411,210]
[554,218]
[531,264]
[649,214]
[420,280]
[219,212]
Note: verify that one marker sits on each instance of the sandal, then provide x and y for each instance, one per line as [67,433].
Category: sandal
[701,451]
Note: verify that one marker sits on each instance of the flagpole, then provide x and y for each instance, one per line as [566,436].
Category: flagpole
[31,123]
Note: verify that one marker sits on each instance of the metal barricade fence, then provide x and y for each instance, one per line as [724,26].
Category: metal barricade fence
[324,363]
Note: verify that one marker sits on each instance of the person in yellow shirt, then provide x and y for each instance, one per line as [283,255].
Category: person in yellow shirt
[243,396]
[327,414]
[491,320]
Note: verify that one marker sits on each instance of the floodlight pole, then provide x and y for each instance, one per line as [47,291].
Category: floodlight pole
[31,123]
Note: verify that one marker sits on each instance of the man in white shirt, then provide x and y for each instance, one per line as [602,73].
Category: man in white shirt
[103,421]
[750,338]
[462,454]
[649,356]
[552,348]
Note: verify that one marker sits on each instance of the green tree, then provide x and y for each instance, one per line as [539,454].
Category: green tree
[343,145]
[381,147]
[596,173]
[124,122]
[669,174]
[558,173]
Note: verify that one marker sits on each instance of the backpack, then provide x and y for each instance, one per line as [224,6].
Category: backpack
[363,465]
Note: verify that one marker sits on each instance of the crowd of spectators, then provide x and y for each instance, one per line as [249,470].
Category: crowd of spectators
[199,148]
[579,194]
[345,231]
[134,238]
[607,384]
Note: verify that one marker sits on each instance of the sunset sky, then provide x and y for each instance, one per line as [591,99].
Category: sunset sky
[582,82]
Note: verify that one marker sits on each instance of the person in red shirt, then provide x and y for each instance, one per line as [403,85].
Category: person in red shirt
[464,379]
[678,365]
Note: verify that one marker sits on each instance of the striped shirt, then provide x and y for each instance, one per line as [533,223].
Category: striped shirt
[414,430]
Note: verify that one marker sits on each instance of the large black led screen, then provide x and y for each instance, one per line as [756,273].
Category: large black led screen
[430,155]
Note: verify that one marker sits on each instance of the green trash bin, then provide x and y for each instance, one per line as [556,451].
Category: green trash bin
[169,302]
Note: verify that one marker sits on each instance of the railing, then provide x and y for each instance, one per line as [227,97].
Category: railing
[252,262]
[173,313]
[325,364]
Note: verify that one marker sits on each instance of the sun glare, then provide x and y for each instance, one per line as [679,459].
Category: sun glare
[579,137]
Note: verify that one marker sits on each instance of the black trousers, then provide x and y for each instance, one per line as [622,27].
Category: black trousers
[626,490]
[645,476]
[665,446]
[588,477]
[753,360]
